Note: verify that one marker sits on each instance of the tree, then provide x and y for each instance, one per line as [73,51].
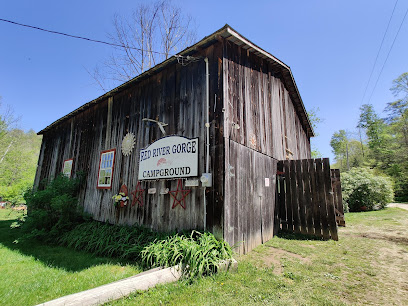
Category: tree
[7,122]
[398,110]
[150,35]
[386,139]
[315,120]
[18,166]
[380,137]
[349,152]
[339,144]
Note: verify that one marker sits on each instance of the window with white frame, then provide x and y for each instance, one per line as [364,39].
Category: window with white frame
[106,163]
[67,167]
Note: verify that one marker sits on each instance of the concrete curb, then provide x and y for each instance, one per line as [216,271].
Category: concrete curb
[119,289]
[124,287]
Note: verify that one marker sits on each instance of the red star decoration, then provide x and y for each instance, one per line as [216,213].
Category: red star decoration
[184,193]
[137,195]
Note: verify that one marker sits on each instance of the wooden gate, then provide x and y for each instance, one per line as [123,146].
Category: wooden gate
[306,198]
[337,197]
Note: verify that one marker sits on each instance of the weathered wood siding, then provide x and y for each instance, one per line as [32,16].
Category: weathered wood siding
[245,91]
[176,96]
[337,195]
[257,101]
[261,127]
[250,197]
[306,199]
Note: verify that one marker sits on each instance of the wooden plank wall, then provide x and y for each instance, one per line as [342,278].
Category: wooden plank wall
[249,203]
[176,96]
[257,101]
[306,201]
[338,198]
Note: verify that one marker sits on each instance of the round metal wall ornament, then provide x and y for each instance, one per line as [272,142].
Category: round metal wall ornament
[128,143]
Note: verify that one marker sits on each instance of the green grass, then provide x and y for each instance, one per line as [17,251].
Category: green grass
[368,265]
[33,273]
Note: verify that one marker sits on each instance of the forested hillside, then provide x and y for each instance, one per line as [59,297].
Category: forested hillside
[19,152]
[380,141]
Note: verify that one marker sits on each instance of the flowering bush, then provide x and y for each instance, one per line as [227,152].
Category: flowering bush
[364,190]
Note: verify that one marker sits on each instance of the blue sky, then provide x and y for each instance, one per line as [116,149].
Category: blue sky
[329,45]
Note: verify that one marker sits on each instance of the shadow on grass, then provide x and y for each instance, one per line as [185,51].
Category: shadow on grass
[297,236]
[52,255]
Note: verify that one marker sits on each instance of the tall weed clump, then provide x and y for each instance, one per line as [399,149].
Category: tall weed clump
[198,254]
[364,190]
[54,209]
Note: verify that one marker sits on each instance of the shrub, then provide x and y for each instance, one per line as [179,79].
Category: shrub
[199,254]
[110,240]
[365,190]
[54,209]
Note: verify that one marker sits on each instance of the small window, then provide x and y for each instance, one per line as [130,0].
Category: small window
[106,163]
[67,167]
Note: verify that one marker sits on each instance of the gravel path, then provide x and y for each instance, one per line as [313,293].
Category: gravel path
[399,205]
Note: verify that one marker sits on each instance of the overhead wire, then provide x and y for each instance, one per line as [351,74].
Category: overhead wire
[378,53]
[386,59]
[77,37]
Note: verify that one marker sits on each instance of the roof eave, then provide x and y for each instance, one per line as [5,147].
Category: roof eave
[226,32]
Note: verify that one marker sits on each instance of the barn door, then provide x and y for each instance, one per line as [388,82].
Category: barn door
[249,197]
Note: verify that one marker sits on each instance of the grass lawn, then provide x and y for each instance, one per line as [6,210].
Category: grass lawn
[368,265]
[32,273]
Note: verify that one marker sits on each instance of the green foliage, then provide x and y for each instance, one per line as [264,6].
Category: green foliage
[363,190]
[315,121]
[18,162]
[36,272]
[348,153]
[199,254]
[110,240]
[385,144]
[53,210]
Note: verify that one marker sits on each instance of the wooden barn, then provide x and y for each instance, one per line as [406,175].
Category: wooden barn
[194,142]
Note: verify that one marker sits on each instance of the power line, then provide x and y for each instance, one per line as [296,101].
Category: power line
[78,37]
[378,53]
[382,68]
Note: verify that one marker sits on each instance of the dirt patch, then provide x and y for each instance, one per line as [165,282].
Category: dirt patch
[396,239]
[273,258]
[389,260]
[392,267]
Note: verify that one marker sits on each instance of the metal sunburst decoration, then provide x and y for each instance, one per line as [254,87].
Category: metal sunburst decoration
[128,143]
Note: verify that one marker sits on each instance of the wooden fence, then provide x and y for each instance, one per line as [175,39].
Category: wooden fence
[306,198]
[337,197]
